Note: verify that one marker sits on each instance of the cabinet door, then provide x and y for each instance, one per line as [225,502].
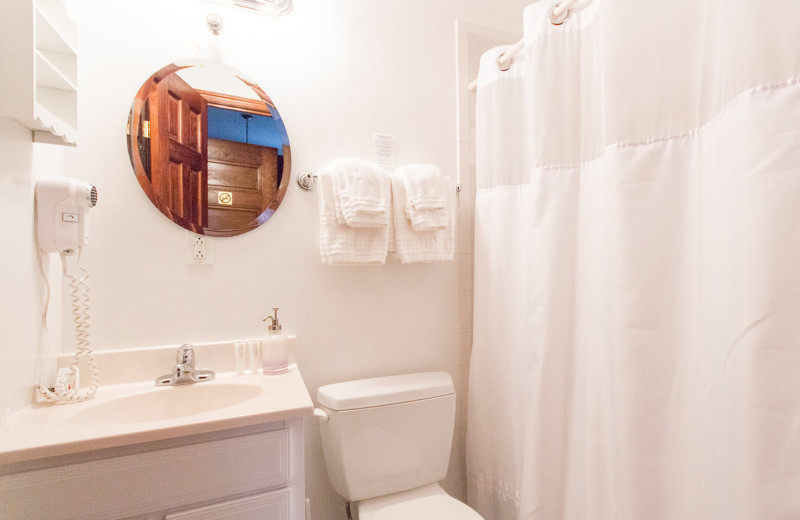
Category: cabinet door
[266,506]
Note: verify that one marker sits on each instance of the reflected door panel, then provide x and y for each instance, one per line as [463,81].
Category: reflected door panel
[242,181]
[180,149]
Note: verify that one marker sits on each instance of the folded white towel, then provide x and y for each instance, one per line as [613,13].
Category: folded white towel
[426,196]
[423,183]
[424,219]
[362,193]
[422,246]
[341,244]
[337,197]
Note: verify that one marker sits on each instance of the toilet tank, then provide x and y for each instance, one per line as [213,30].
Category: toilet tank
[387,434]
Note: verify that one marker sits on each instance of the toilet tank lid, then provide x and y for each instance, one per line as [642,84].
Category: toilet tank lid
[379,391]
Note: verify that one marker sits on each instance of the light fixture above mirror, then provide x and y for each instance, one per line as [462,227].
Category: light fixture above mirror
[268,7]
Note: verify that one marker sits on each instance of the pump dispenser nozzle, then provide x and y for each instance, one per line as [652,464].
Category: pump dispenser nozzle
[274,325]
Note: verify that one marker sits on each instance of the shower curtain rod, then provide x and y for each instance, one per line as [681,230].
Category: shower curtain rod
[503,61]
[558,14]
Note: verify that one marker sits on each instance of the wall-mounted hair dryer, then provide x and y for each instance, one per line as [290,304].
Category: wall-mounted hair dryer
[62,205]
[62,226]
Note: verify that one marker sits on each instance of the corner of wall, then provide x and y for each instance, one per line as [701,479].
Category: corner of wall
[23,301]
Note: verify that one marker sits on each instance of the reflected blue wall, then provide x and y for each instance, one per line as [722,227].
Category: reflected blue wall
[263,130]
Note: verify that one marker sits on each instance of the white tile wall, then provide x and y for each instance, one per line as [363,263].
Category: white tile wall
[473,41]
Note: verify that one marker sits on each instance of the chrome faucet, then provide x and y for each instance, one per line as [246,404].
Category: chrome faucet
[184,371]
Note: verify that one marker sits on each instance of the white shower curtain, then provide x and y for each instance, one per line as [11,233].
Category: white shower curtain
[636,349]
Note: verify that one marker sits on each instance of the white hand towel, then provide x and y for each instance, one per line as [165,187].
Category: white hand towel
[337,197]
[426,196]
[422,246]
[340,244]
[363,192]
[423,183]
[424,219]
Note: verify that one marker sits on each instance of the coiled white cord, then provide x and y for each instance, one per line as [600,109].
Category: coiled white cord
[66,390]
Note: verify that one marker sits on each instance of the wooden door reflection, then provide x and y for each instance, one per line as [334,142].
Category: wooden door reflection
[246,175]
[179,147]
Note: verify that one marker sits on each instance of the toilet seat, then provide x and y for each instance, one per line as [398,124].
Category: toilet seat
[429,502]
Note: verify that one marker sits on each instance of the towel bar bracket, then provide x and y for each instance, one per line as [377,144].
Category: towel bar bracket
[307,180]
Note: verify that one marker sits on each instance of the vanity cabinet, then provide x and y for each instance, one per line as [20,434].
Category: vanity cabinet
[38,45]
[253,472]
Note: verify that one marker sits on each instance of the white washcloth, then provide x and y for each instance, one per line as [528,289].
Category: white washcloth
[424,219]
[423,183]
[426,196]
[422,246]
[340,244]
[362,193]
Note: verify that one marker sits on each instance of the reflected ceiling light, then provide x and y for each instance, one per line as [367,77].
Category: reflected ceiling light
[269,7]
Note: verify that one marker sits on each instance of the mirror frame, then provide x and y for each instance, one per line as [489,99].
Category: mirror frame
[134,122]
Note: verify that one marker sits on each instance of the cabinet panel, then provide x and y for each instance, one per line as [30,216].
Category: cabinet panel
[135,484]
[266,506]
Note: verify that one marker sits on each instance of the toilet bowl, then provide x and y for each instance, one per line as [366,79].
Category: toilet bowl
[386,443]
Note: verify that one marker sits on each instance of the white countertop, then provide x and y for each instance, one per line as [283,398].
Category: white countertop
[53,430]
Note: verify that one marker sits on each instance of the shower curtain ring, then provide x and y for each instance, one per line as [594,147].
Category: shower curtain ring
[559,20]
[499,62]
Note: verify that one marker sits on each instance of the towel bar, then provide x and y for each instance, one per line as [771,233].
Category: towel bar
[308,181]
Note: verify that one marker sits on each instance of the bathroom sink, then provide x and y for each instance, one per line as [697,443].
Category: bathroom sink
[129,408]
[166,402]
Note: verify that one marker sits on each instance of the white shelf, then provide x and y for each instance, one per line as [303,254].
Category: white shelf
[49,75]
[41,91]
[46,120]
[52,35]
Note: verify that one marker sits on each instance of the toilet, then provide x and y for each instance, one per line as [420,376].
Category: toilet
[386,443]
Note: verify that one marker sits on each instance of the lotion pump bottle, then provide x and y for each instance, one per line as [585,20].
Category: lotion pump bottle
[275,347]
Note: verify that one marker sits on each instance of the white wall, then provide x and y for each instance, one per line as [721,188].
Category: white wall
[338,71]
[21,305]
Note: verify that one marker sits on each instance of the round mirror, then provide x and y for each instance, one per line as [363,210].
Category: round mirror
[209,148]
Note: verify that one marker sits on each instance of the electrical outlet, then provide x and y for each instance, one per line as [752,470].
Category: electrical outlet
[199,250]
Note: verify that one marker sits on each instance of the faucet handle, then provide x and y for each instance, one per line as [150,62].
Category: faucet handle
[185,354]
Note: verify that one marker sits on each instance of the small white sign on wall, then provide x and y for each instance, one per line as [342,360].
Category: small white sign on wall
[384,151]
